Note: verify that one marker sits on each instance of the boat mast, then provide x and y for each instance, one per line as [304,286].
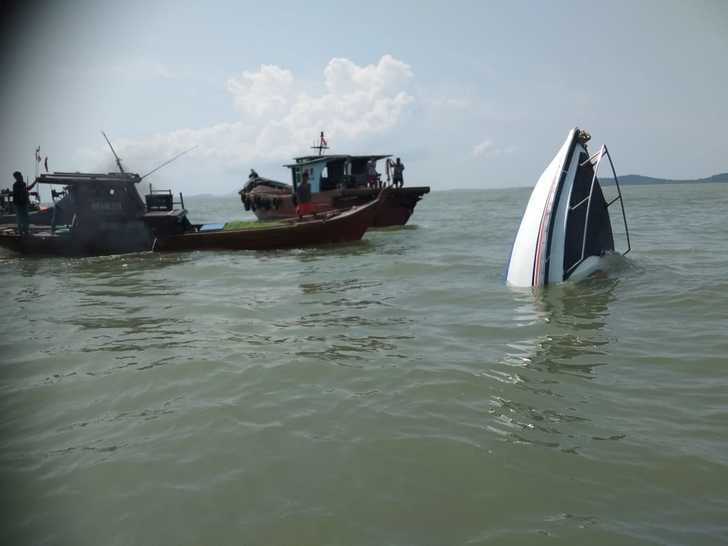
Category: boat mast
[322,145]
[118,161]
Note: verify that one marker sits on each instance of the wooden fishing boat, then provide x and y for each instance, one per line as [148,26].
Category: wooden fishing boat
[110,217]
[337,181]
[325,228]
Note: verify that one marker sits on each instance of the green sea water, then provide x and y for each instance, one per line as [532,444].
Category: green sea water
[388,392]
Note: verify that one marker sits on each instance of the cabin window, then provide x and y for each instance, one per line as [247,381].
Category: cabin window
[337,173]
[325,179]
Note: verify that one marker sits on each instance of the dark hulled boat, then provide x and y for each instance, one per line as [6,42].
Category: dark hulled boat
[109,217]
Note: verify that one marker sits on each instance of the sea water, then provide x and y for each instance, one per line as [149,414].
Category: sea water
[391,391]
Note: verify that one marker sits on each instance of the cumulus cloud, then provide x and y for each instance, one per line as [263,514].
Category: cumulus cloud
[268,92]
[279,115]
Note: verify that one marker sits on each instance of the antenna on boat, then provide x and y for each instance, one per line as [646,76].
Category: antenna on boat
[169,161]
[118,161]
[322,145]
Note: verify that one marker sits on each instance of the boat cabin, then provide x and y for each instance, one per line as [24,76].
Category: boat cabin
[331,172]
[110,203]
[103,197]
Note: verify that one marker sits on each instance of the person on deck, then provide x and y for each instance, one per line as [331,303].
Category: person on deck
[253,174]
[397,178]
[21,200]
[372,174]
[303,197]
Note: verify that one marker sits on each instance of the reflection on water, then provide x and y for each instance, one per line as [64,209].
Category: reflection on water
[573,344]
[574,315]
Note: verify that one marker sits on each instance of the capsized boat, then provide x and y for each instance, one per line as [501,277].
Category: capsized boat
[337,226]
[337,182]
[566,226]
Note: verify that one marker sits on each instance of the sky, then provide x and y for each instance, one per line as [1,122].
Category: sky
[471,95]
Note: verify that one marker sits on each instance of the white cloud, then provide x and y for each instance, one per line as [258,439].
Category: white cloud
[267,92]
[487,148]
[280,116]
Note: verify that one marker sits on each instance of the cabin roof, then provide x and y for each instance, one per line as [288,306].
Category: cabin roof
[72,179]
[312,159]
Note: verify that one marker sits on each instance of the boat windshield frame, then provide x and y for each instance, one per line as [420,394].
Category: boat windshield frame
[595,159]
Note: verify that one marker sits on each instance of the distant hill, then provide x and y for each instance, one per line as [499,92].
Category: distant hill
[639,180]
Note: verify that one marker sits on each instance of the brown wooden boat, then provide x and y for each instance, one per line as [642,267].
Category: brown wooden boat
[268,203]
[318,229]
[337,181]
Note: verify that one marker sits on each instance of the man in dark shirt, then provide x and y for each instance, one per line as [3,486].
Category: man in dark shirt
[21,200]
[398,179]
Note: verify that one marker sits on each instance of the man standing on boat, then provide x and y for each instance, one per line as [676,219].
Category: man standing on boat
[21,200]
[303,196]
[397,178]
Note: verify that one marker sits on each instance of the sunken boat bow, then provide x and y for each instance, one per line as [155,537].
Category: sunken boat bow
[566,222]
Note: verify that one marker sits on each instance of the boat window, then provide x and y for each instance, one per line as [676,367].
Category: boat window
[359,173]
[325,179]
